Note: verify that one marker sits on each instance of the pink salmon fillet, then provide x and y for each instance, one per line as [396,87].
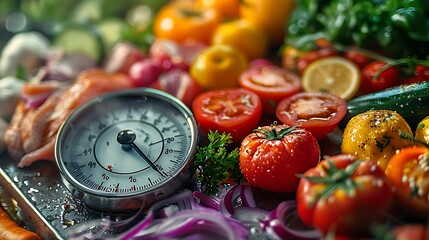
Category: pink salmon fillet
[31,134]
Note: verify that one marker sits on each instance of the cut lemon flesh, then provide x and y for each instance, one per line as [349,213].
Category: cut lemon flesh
[336,75]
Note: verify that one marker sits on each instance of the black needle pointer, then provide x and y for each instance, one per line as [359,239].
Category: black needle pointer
[126,138]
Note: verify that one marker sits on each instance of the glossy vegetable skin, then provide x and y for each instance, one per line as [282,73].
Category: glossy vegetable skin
[422,130]
[410,101]
[297,60]
[413,231]
[271,156]
[421,74]
[10,230]
[374,136]
[227,8]
[317,112]
[271,83]
[375,79]
[232,33]
[270,15]
[235,110]
[184,20]
[218,66]
[343,195]
[408,172]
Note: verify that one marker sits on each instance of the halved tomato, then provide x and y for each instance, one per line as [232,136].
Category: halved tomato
[271,83]
[235,110]
[408,172]
[317,112]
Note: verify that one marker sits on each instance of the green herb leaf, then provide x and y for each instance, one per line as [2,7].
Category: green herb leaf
[217,163]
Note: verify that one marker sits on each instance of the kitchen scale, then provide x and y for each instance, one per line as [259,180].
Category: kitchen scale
[115,154]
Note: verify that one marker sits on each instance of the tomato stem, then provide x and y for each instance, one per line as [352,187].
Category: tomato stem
[335,179]
[410,61]
[273,134]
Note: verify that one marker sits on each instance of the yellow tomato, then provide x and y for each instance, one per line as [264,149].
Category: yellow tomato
[227,8]
[218,66]
[243,36]
[183,20]
[270,15]
[374,135]
[422,131]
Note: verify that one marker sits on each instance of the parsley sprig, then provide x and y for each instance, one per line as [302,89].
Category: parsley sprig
[217,163]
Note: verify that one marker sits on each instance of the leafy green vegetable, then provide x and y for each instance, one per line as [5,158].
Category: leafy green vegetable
[142,39]
[395,28]
[217,163]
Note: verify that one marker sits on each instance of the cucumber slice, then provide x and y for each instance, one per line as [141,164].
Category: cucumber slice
[82,39]
[110,30]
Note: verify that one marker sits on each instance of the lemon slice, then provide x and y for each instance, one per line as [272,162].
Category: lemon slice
[336,75]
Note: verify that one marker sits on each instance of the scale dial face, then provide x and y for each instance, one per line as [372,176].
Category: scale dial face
[127,148]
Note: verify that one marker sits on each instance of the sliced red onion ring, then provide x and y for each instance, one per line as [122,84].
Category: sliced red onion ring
[191,219]
[207,201]
[279,223]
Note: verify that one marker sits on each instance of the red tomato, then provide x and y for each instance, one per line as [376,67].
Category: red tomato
[408,173]
[360,59]
[421,74]
[271,83]
[343,195]
[271,157]
[180,84]
[410,231]
[318,112]
[387,78]
[308,57]
[236,111]
[297,60]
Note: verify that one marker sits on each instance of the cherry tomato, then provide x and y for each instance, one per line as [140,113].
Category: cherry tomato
[218,66]
[318,112]
[237,34]
[387,78]
[308,57]
[236,111]
[408,172]
[227,8]
[179,84]
[410,231]
[270,15]
[360,59]
[271,83]
[297,60]
[271,156]
[421,74]
[343,195]
[183,20]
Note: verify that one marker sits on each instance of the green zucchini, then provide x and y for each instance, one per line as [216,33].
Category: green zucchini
[410,101]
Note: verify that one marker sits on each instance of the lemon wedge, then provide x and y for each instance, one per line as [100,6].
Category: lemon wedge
[336,75]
